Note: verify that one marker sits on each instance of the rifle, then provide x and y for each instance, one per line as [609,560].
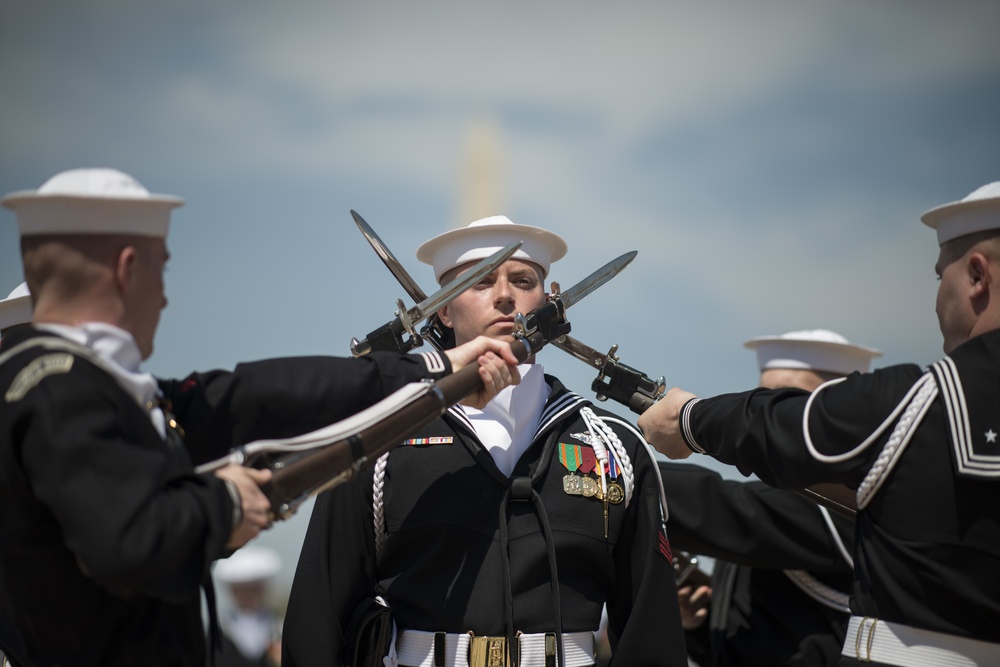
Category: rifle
[332,455]
[635,390]
[615,380]
[296,479]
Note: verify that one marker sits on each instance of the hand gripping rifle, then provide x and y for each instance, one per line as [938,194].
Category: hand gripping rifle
[317,461]
[390,335]
[638,392]
[615,380]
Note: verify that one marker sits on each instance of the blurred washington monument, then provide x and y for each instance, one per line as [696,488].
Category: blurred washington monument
[481,186]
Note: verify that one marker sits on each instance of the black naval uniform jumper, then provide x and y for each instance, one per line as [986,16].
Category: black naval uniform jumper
[106,533]
[441,567]
[927,551]
[758,615]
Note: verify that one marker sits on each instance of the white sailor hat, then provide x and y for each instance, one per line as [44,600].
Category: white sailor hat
[978,212]
[251,563]
[91,201]
[817,350]
[484,237]
[16,308]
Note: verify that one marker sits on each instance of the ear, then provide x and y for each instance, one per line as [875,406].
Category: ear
[978,267]
[125,267]
[445,317]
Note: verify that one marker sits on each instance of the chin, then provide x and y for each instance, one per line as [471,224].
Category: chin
[504,336]
[500,330]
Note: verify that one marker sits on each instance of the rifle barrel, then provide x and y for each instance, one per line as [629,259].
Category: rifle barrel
[338,462]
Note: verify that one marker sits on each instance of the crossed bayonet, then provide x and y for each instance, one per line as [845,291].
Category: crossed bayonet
[615,380]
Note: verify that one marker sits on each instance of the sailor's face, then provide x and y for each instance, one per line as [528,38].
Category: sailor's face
[953,311]
[488,307]
[149,294]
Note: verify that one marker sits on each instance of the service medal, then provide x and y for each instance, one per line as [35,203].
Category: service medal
[590,487]
[616,494]
[573,485]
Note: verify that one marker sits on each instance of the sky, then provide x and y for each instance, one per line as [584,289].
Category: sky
[769,161]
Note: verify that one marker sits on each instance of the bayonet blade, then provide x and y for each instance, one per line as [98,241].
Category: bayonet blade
[446,294]
[596,279]
[390,261]
[407,319]
[549,319]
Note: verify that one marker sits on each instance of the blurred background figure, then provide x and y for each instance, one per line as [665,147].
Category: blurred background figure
[807,359]
[778,594]
[251,627]
[15,310]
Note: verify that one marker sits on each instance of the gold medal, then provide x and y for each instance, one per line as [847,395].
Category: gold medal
[572,485]
[616,494]
[590,487]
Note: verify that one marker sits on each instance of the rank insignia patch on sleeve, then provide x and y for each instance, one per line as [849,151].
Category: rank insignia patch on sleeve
[36,371]
[663,547]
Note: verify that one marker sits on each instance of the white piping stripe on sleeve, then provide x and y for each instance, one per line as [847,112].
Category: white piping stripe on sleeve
[686,426]
[433,361]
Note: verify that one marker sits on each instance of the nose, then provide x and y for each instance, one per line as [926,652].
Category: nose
[502,292]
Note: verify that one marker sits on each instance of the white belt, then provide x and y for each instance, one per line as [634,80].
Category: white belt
[415,648]
[872,640]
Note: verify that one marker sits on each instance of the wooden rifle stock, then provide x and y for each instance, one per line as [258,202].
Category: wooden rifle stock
[835,497]
[298,477]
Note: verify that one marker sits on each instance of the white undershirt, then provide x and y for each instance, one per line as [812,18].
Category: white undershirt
[507,425]
[119,351]
[251,631]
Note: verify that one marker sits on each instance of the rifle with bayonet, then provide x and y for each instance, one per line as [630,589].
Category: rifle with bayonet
[638,392]
[615,380]
[314,462]
[390,335]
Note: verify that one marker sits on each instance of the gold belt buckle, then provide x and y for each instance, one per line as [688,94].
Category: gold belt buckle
[488,652]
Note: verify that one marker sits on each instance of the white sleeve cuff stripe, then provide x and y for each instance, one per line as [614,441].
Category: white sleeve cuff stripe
[433,361]
[686,426]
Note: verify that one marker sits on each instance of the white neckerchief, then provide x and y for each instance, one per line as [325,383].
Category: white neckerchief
[507,425]
[118,349]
